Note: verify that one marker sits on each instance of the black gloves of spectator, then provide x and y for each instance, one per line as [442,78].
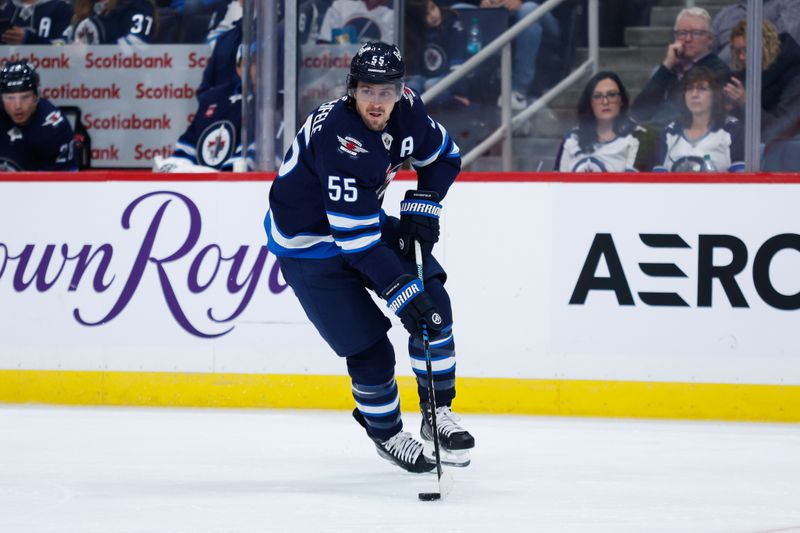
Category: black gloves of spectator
[419,221]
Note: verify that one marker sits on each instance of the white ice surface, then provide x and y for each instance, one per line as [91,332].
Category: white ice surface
[112,470]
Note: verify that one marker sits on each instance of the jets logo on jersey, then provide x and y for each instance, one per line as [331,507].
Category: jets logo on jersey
[210,110]
[8,165]
[589,164]
[690,163]
[216,144]
[350,146]
[433,57]
[87,32]
[53,119]
[14,134]
[387,140]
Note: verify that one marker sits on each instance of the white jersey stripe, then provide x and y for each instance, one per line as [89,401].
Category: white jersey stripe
[364,241]
[298,241]
[347,223]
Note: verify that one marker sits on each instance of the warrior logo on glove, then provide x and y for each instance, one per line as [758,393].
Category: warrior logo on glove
[419,221]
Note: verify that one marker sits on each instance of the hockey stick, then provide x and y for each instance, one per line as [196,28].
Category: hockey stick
[445,479]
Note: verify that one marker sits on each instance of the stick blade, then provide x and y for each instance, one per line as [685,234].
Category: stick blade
[446,483]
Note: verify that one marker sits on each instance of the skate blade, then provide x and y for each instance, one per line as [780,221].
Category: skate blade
[457,458]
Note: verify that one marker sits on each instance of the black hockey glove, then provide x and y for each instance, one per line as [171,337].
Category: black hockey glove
[408,300]
[419,221]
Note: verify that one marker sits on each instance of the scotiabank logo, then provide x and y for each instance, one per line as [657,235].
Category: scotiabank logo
[729,276]
[327,61]
[127,122]
[60,61]
[67,91]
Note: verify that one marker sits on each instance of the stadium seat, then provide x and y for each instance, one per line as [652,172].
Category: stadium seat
[83,142]
[195,27]
[782,156]
[168,26]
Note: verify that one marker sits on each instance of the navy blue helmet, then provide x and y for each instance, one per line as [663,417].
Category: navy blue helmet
[376,62]
[17,77]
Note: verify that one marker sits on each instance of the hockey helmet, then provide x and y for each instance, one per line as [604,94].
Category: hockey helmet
[376,62]
[17,77]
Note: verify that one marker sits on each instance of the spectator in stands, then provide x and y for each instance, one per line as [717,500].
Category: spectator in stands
[434,49]
[34,21]
[35,134]
[221,67]
[358,21]
[704,138]
[223,20]
[310,14]
[605,140]
[128,23]
[784,14]
[661,98]
[780,81]
[213,140]
[525,46]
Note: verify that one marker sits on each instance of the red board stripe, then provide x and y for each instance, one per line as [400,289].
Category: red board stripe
[471,177]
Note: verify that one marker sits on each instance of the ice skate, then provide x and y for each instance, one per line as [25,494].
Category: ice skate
[401,449]
[454,441]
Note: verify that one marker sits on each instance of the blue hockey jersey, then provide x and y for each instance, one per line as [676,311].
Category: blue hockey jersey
[213,139]
[221,67]
[44,22]
[44,143]
[326,199]
[131,22]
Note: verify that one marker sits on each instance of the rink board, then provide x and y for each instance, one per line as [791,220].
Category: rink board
[620,295]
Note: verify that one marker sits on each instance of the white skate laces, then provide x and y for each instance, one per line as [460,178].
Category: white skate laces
[447,421]
[404,447]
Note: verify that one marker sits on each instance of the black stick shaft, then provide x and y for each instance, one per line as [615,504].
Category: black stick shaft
[426,345]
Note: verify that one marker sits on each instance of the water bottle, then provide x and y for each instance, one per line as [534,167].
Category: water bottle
[474,38]
[708,165]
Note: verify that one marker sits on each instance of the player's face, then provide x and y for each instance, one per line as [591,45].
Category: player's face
[374,103]
[695,36]
[699,98]
[606,100]
[20,106]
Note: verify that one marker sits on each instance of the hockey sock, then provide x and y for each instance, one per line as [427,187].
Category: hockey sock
[443,365]
[375,390]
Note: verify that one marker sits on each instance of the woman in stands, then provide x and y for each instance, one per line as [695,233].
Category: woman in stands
[780,81]
[605,140]
[704,138]
[436,44]
[125,22]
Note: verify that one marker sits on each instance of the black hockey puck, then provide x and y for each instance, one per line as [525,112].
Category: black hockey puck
[429,496]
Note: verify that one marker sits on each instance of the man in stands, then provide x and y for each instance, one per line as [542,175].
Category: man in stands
[660,98]
[33,133]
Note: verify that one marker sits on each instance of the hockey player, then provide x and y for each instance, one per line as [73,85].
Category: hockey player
[129,23]
[334,242]
[35,136]
[34,21]
[213,140]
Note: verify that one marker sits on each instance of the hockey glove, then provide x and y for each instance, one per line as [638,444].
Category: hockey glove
[408,300]
[419,221]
